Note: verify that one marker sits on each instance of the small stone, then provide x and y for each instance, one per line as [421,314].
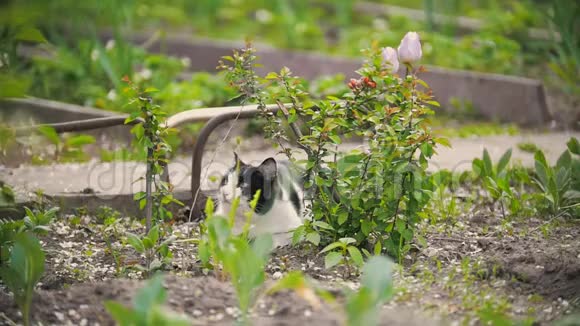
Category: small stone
[196,313]
[219,316]
[83,322]
[230,311]
[548,310]
[271,312]
[59,315]
[277,275]
[307,313]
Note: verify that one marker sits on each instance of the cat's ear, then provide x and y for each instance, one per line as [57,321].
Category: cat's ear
[269,168]
[237,161]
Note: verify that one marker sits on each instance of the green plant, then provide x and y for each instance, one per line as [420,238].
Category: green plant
[150,135]
[528,147]
[566,63]
[243,262]
[23,271]
[559,185]
[363,307]
[371,196]
[71,149]
[496,180]
[9,229]
[7,198]
[37,221]
[342,252]
[147,309]
[156,252]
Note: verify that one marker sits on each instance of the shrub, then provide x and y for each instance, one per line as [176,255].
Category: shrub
[373,196]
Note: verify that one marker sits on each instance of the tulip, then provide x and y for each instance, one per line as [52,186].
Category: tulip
[410,48]
[390,58]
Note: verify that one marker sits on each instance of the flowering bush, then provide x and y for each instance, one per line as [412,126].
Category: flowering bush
[373,195]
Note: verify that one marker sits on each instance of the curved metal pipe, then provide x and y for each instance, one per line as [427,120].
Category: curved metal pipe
[78,125]
[199,147]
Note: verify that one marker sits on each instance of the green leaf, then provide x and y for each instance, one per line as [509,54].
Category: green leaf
[565,160]
[50,134]
[262,246]
[504,161]
[298,234]
[121,314]
[378,248]
[573,146]
[79,141]
[356,255]
[12,85]
[377,276]
[154,234]
[342,217]
[150,90]
[323,225]
[487,164]
[335,139]
[135,242]
[313,237]
[30,34]
[152,294]
[347,240]
[332,246]
[332,259]
[147,243]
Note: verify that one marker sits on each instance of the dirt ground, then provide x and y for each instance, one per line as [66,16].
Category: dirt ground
[527,268]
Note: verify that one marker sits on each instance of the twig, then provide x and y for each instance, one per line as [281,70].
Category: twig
[8,320]
[295,129]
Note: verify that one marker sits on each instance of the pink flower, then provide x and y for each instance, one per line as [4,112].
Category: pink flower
[410,48]
[391,59]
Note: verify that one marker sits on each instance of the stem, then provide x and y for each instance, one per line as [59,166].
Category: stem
[148,184]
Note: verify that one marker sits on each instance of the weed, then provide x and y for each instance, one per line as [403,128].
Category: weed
[23,270]
[342,252]
[559,185]
[37,221]
[242,262]
[156,253]
[147,309]
[363,307]
[528,147]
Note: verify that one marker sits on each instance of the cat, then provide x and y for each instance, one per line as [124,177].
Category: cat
[280,208]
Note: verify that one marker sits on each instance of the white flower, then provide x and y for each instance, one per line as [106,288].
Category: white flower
[112,95]
[390,58]
[94,54]
[145,73]
[185,62]
[410,48]
[263,16]
[110,45]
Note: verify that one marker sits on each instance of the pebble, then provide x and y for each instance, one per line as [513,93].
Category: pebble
[59,315]
[277,275]
[307,313]
[196,313]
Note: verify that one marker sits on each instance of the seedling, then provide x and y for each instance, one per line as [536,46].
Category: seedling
[37,221]
[147,309]
[342,252]
[156,253]
[23,271]
[559,185]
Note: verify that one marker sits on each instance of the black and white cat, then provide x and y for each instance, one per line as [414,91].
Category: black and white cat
[280,207]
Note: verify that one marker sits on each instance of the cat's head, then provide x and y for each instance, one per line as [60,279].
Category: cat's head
[244,180]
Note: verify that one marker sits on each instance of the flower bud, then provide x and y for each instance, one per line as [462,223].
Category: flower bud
[391,59]
[410,48]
